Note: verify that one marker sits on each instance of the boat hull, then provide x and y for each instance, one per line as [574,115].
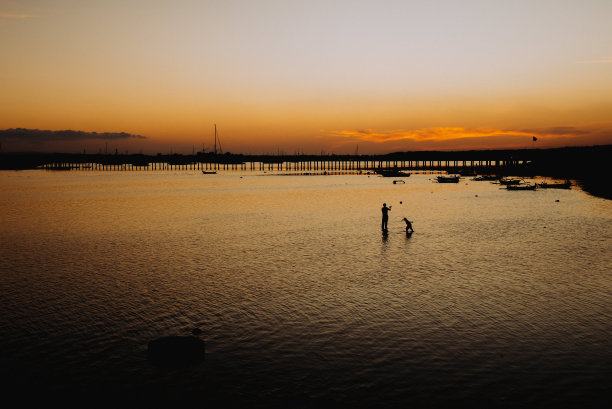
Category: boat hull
[554,185]
[510,182]
[519,187]
[448,179]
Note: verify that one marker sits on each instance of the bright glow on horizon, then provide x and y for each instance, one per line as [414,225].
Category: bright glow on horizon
[308,75]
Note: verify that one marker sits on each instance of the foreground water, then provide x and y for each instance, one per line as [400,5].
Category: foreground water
[498,299]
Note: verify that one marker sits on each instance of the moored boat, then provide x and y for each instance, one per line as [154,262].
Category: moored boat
[485,177]
[521,187]
[448,179]
[563,185]
[506,182]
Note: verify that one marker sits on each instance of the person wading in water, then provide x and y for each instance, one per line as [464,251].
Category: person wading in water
[409,228]
[385,216]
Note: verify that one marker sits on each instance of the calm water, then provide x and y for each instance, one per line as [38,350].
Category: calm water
[498,299]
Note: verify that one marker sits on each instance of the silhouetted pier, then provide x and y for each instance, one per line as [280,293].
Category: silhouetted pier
[443,161]
[521,161]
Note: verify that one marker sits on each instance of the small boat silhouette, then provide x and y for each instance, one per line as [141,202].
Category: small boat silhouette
[521,187]
[448,179]
[563,185]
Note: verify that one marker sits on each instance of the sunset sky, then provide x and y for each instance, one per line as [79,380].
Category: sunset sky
[306,76]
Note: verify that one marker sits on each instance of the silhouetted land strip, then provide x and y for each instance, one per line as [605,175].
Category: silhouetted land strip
[589,165]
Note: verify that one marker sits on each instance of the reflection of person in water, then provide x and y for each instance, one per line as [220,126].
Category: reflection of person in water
[385,216]
[409,228]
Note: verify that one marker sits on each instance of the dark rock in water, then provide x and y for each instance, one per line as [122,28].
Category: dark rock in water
[176,351]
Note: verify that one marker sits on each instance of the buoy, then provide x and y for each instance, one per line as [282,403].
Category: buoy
[176,351]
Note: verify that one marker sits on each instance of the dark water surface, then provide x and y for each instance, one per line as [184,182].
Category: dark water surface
[499,299]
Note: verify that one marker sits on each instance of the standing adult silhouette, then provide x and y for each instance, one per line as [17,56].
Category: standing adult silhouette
[385,216]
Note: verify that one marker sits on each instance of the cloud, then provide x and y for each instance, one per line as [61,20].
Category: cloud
[445,138]
[424,134]
[440,134]
[37,135]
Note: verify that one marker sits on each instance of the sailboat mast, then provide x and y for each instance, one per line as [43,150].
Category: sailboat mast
[215,139]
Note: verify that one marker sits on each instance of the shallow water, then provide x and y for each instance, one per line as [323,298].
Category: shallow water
[499,298]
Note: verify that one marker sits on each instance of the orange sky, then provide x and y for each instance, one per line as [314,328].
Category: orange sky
[308,76]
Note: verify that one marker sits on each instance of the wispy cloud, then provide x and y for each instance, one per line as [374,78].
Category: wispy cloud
[602,61]
[446,134]
[424,134]
[38,135]
[464,138]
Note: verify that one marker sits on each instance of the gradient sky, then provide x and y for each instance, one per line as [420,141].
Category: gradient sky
[308,76]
